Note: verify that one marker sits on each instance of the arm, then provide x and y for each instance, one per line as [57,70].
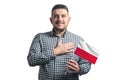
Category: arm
[84,66]
[36,56]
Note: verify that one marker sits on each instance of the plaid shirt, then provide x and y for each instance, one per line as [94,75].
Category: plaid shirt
[51,67]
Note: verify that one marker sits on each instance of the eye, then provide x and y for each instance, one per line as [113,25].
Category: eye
[63,16]
[55,16]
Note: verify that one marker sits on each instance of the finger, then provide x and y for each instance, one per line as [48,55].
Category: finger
[70,43]
[73,61]
[71,68]
[70,48]
[60,42]
[70,51]
[72,64]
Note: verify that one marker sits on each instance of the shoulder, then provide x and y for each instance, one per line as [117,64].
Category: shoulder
[73,35]
[43,35]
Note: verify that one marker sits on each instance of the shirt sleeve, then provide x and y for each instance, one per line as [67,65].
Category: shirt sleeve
[84,66]
[36,56]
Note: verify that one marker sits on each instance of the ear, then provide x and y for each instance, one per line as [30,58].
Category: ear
[50,19]
[69,18]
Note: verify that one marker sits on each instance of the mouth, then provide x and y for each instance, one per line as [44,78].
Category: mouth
[59,22]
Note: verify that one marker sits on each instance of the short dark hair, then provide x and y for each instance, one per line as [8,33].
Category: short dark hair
[60,6]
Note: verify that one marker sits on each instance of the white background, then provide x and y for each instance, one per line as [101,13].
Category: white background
[97,21]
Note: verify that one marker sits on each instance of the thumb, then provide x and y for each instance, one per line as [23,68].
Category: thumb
[60,42]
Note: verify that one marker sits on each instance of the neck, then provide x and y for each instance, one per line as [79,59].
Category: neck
[60,32]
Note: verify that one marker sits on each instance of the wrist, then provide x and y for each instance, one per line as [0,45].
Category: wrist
[54,52]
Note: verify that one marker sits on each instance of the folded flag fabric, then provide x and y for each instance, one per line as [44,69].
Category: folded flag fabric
[87,52]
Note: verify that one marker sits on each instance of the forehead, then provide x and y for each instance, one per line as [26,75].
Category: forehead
[60,11]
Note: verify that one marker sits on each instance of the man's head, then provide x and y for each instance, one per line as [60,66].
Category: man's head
[60,17]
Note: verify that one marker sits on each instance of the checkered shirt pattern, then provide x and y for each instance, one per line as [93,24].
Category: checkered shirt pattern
[51,67]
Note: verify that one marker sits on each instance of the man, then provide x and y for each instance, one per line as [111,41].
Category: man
[54,51]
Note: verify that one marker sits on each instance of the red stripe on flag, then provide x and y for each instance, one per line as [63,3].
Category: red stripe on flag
[85,55]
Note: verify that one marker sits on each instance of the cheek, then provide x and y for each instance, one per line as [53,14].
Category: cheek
[67,21]
[54,21]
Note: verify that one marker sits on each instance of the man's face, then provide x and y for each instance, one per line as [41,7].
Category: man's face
[60,19]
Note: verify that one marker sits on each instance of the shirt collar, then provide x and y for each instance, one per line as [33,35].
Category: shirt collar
[54,34]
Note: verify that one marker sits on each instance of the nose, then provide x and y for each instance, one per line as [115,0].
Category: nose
[60,18]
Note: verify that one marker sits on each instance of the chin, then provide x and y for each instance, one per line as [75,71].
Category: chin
[60,29]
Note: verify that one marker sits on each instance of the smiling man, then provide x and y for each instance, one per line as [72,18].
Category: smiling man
[53,51]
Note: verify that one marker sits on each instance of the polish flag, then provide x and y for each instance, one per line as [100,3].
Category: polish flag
[87,52]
